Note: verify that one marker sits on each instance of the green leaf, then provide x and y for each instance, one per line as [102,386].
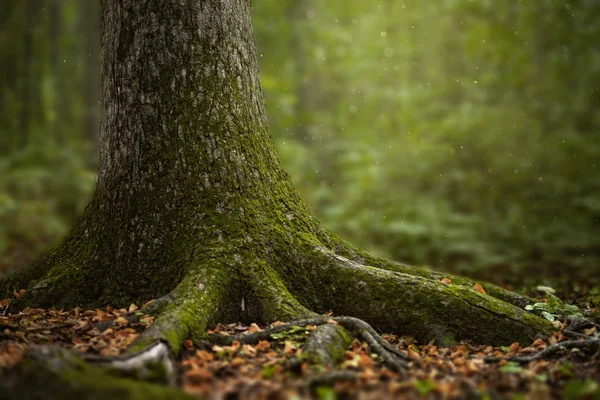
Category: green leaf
[511,367]
[424,387]
[578,389]
[548,316]
[268,371]
[325,393]
[546,289]
[566,368]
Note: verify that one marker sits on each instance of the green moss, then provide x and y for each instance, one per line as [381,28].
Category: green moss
[425,308]
[327,345]
[60,374]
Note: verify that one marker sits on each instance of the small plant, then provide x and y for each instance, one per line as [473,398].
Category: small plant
[553,308]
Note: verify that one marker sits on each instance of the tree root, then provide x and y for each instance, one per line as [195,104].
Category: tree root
[326,345]
[391,356]
[155,363]
[548,352]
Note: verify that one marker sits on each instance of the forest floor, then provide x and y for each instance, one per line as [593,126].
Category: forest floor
[264,370]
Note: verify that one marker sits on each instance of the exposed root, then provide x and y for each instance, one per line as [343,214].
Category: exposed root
[576,324]
[415,304]
[326,345]
[187,311]
[548,352]
[277,302]
[155,363]
[392,357]
[573,334]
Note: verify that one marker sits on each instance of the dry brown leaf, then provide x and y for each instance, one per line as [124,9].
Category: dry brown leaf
[366,361]
[234,346]
[237,361]
[353,360]
[590,331]
[254,328]
[249,350]
[204,355]
[479,288]
[412,355]
[262,345]
[218,349]
[289,348]
[198,375]
[109,351]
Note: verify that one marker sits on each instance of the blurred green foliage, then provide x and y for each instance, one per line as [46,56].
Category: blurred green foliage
[459,134]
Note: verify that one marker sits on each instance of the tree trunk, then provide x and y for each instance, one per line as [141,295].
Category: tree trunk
[192,203]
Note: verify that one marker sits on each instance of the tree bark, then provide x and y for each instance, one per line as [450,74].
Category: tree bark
[192,204]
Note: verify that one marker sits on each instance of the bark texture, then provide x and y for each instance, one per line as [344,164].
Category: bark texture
[193,206]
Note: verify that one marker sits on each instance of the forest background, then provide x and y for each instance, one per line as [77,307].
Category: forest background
[464,135]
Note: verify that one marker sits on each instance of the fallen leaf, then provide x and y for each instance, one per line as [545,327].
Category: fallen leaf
[412,355]
[447,281]
[590,331]
[249,350]
[198,375]
[262,345]
[204,355]
[237,361]
[254,328]
[289,348]
[479,288]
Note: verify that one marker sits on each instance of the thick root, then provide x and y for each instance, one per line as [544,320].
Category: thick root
[187,312]
[327,345]
[419,306]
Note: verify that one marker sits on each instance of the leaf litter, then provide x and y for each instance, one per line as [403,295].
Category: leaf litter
[276,369]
